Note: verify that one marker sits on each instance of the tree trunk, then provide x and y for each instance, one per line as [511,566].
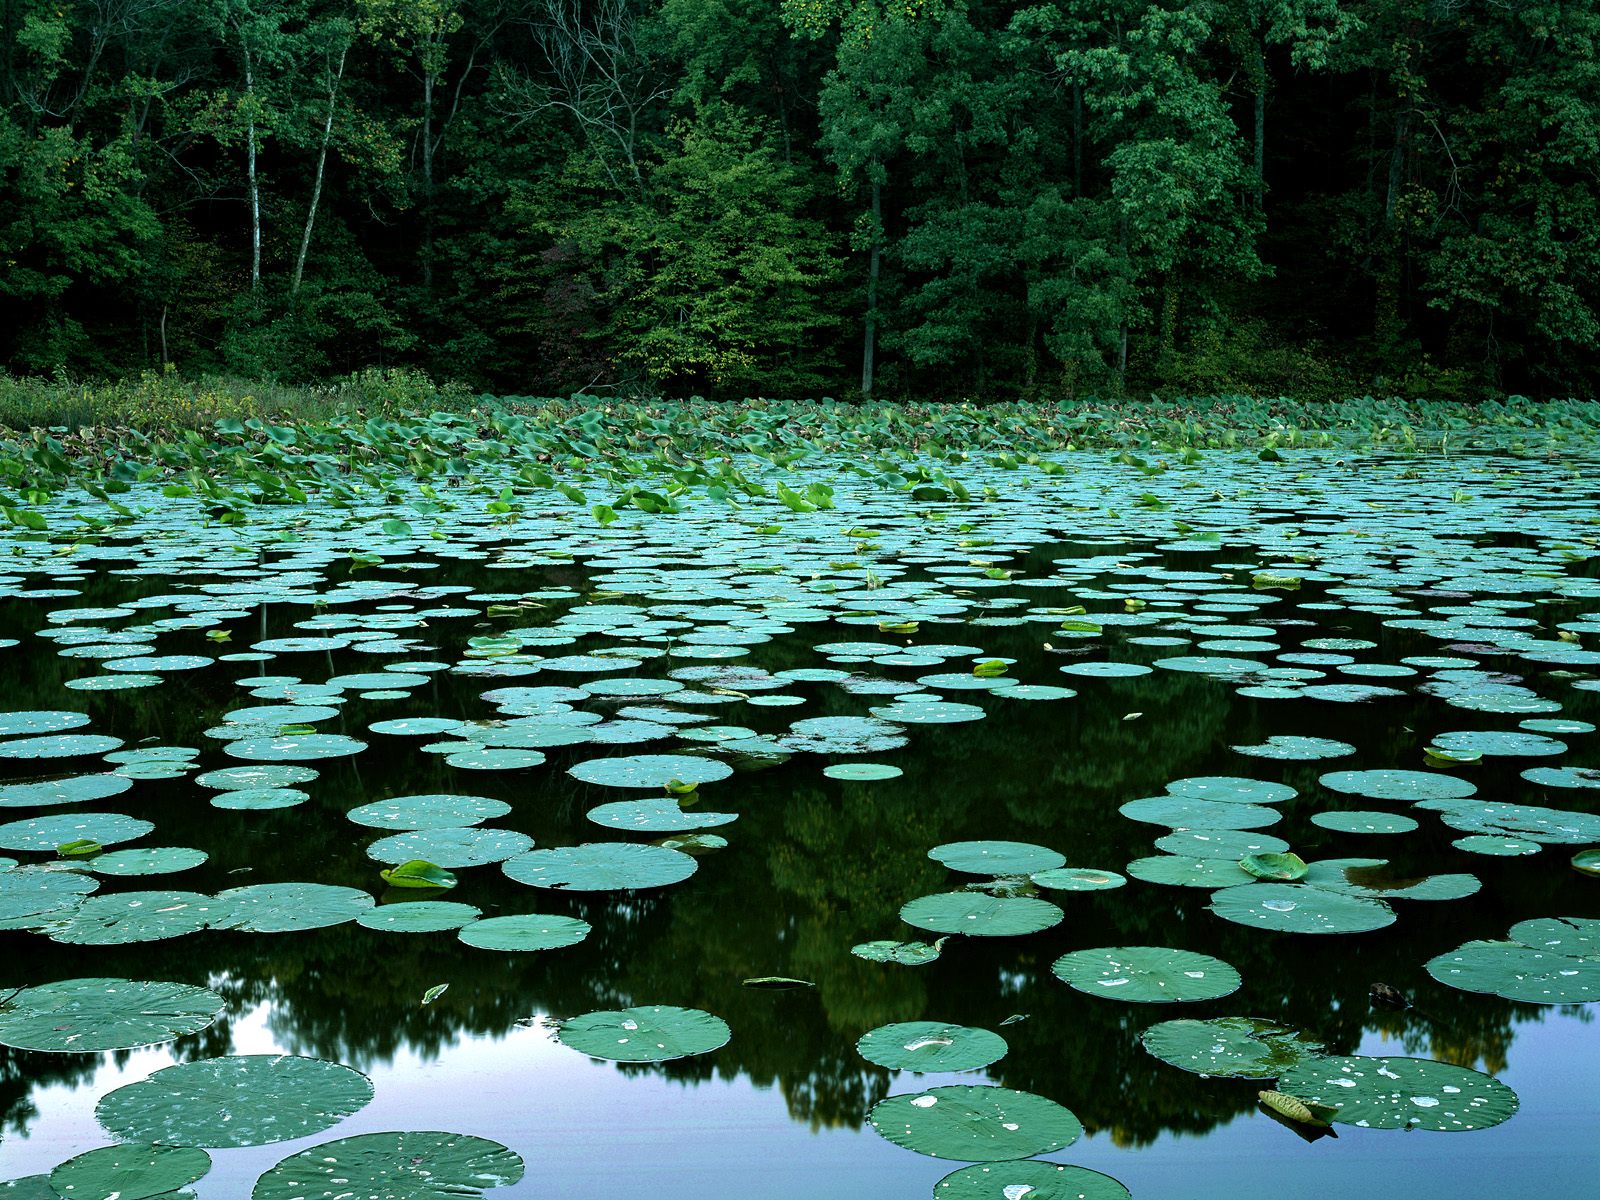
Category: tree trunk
[255,189]
[869,347]
[1397,163]
[322,165]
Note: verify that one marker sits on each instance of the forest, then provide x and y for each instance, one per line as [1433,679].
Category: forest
[930,199]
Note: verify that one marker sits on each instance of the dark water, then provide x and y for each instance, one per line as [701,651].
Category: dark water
[815,866]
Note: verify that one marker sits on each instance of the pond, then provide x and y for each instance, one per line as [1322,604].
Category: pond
[811,851]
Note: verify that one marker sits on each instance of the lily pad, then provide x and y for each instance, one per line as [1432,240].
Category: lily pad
[1147,974]
[905,954]
[1300,908]
[1028,1177]
[127,917]
[1078,879]
[77,789]
[1399,785]
[659,814]
[418,916]
[1401,1093]
[290,907]
[526,931]
[1358,821]
[1231,789]
[650,770]
[997,858]
[974,1123]
[34,893]
[601,867]
[978,915]
[451,848]
[46,833]
[393,1166]
[650,1033]
[434,811]
[88,1015]
[307,747]
[1229,1047]
[1179,812]
[129,1172]
[1518,972]
[237,1100]
[931,1046]
[862,772]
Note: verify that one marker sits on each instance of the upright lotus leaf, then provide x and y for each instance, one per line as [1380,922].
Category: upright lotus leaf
[421,916]
[290,907]
[451,848]
[428,812]
[980,915]
[905,954]
[974,1123]
[931,1046]
[125,917]
[1587,862]
[1283,868]
[524,931]
[1229,1047]
[651,1033]
[1401,1093]
[418,873]
[1300,908]
[129,1172]
[393,1166]
[997,858]
[1147,974]
[237,1100]
[652,771]
[89,1015]
[1028,1177]
[44,834]
[1518,972]
[601,867]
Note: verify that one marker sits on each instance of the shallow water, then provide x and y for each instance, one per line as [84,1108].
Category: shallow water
[816,865]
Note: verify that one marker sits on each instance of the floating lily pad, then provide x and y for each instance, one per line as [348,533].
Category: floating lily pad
[290,907]
[88,1015]
[525,931]
[306,747]
[1229,1047]
[931,1046]
[237,1100]
[1399,785]
[974,1123]
[1574,936]
[1518,972]
[59,745]
[660,814]
[1401,1093]
[46,833]
[1358,821]
[1231,789]
[259,799]
[905,954]
[862,772]
[434,811]
[1179,812]
[1297,749]
[1176,870]
[393,1166]
[34,893]
[148,860]
[1372,877]
[650,770]
[601,867]
[418,916]
[275,775]
[980,915]
[997,858]
[1300,908]
[39,721]
[129,1172]
[1078,879]
[844,735]
[1496,847]
[1231,844]
[127,917]
[451,848]
[1028,1177]
[651,1033]
[1147,974]
[78,789]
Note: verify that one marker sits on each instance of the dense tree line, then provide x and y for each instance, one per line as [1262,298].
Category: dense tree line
[805,197]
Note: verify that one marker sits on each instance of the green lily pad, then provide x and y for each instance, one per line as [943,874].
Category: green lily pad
[1284,868]
[1297,749]
[997,858]
[1401,1093]
[1147,974]
[650,1033]
[1179,812]
[35,893]
[46,833]
[59,745]
[1496,847]
[259,799]
[1231,844]
[1585,862]
[418,916]
[237,1100]
[129,1172]
[659,814]
[978,915]
[1576,937]
[1358,821]
[1175,870]
[435,811]
[1371,877]
[1229,1047]
[1518,972]
[1300,908]
[451,848]
[525,931]
[601,867]
[1231,789]
[393,1166]
[974,1123]
[88,1015]
[271,775]
[905,954]
[1028,1177]
[37,721]
[1399,785]
[78,789]
[149,860]
[127,917]
[931,1046]
[307,747]
[862,772]
[290,907]
[1077,879]
[650,770]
